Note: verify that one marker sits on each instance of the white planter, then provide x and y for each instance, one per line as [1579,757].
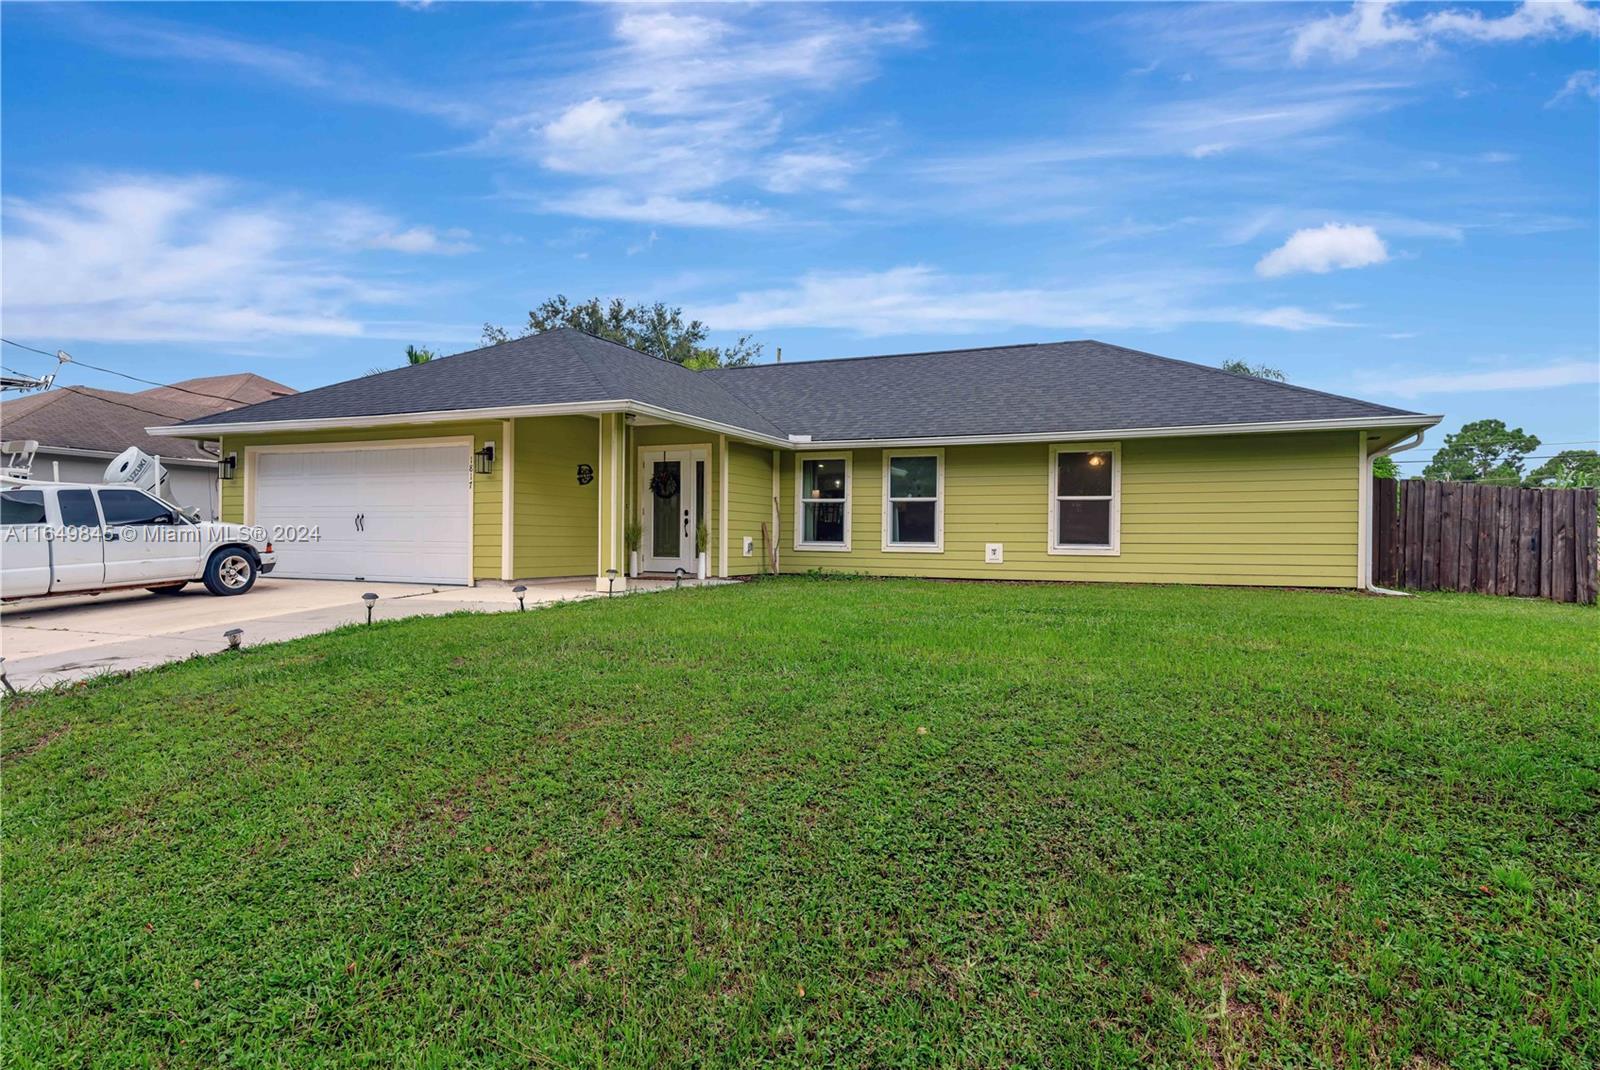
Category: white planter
[633,563]
[701,565]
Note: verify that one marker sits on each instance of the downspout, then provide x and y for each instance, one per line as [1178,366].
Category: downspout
[1366,475]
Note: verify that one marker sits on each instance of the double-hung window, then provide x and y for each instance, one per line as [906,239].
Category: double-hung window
[1085,499]
[913,501]
[822,502]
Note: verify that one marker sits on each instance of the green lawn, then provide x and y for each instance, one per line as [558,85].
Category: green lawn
[839,822]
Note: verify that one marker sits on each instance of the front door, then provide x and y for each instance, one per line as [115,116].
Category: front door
[667,495]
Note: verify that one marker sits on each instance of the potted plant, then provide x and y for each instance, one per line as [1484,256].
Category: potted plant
[702,539]
[632,536]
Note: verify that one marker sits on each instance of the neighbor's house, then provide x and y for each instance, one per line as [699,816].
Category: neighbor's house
[80,429]
[1059,461]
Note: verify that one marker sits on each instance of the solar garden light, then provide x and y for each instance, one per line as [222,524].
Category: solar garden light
[520,591]
[677,577]
[611,582]
[370,599]
[3,680]
[234,636]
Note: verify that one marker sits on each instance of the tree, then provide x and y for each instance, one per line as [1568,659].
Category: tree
[1255,371]
[1569,468]
[1385,468]
[414,355]
[1484,451]
[657,329]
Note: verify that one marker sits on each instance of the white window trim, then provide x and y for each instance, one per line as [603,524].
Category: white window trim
[800,460]
[937,545]
[1114,549]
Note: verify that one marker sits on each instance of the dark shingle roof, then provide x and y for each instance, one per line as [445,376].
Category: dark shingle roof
[1047,388]
[553,368]
[1022,389]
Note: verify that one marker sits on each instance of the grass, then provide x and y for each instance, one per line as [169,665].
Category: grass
[807,822]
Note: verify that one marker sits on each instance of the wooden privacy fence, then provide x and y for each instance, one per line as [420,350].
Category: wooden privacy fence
[1493,540]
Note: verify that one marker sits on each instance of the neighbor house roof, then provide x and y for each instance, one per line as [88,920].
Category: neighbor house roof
[1019,390]
[109,421]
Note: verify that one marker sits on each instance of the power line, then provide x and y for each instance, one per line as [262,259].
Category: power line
[112,371]
[30,349]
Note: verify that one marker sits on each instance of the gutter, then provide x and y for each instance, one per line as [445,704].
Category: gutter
[1366,508]
[788,442]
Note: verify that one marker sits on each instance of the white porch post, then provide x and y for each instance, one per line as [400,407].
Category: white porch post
[610,469]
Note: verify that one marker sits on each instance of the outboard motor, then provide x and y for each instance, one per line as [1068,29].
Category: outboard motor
[133,465]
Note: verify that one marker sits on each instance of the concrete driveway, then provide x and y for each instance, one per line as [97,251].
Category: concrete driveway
[53,641]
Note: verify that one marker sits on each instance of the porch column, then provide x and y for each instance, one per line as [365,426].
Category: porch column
[610,471]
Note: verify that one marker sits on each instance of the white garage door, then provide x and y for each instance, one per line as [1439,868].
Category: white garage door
[402,514]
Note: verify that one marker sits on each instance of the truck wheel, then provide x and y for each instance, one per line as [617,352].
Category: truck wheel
[171,588]
[230,571]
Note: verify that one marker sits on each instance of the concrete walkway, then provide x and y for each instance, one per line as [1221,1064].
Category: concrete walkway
[57,640]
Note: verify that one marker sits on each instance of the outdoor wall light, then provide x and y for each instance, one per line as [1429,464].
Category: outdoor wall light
[483,460]
[234,636]
[520,591]
[611,582]
[228,465]
[370,599]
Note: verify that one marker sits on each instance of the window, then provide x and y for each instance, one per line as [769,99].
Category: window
[123,507]
[823,503]
[913,501]
[77,509]
[19,507]
[1085,499]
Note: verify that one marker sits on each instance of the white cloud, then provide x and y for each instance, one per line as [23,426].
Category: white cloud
[618,204]
[163,258]
[1323,249]
[796,172]
[1376,25]
[1543,377]
[1578,84]
[423,240]
[686,103]
[917,298]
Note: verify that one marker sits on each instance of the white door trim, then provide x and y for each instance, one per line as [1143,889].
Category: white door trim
[251,452]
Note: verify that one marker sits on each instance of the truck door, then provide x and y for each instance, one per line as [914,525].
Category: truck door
[79,563]
[24,544]
[146,541]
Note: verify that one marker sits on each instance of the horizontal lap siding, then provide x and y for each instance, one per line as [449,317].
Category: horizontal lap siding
[1244,509]
[486,490]
[749,504]
[555,519]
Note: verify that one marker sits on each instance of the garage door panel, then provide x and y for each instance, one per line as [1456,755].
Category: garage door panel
[414,506]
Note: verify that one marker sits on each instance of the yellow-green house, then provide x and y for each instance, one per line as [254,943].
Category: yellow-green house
[563,455]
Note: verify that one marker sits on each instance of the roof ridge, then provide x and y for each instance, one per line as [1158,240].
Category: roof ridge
[1254,378]
[891,356]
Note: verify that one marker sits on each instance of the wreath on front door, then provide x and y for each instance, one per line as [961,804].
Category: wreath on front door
[664,484]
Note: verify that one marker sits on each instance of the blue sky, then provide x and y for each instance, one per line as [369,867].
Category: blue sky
[1398,202]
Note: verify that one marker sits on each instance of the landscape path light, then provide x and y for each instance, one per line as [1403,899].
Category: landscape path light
[234,636]
[370,599]
[521,592]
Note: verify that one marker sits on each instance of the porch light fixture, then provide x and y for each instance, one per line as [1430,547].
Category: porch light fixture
[370,599]
[483,460]
[234,636]
[520,591]
[228,465]
[611,582]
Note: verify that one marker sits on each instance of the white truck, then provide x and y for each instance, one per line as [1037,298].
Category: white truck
[79,538]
